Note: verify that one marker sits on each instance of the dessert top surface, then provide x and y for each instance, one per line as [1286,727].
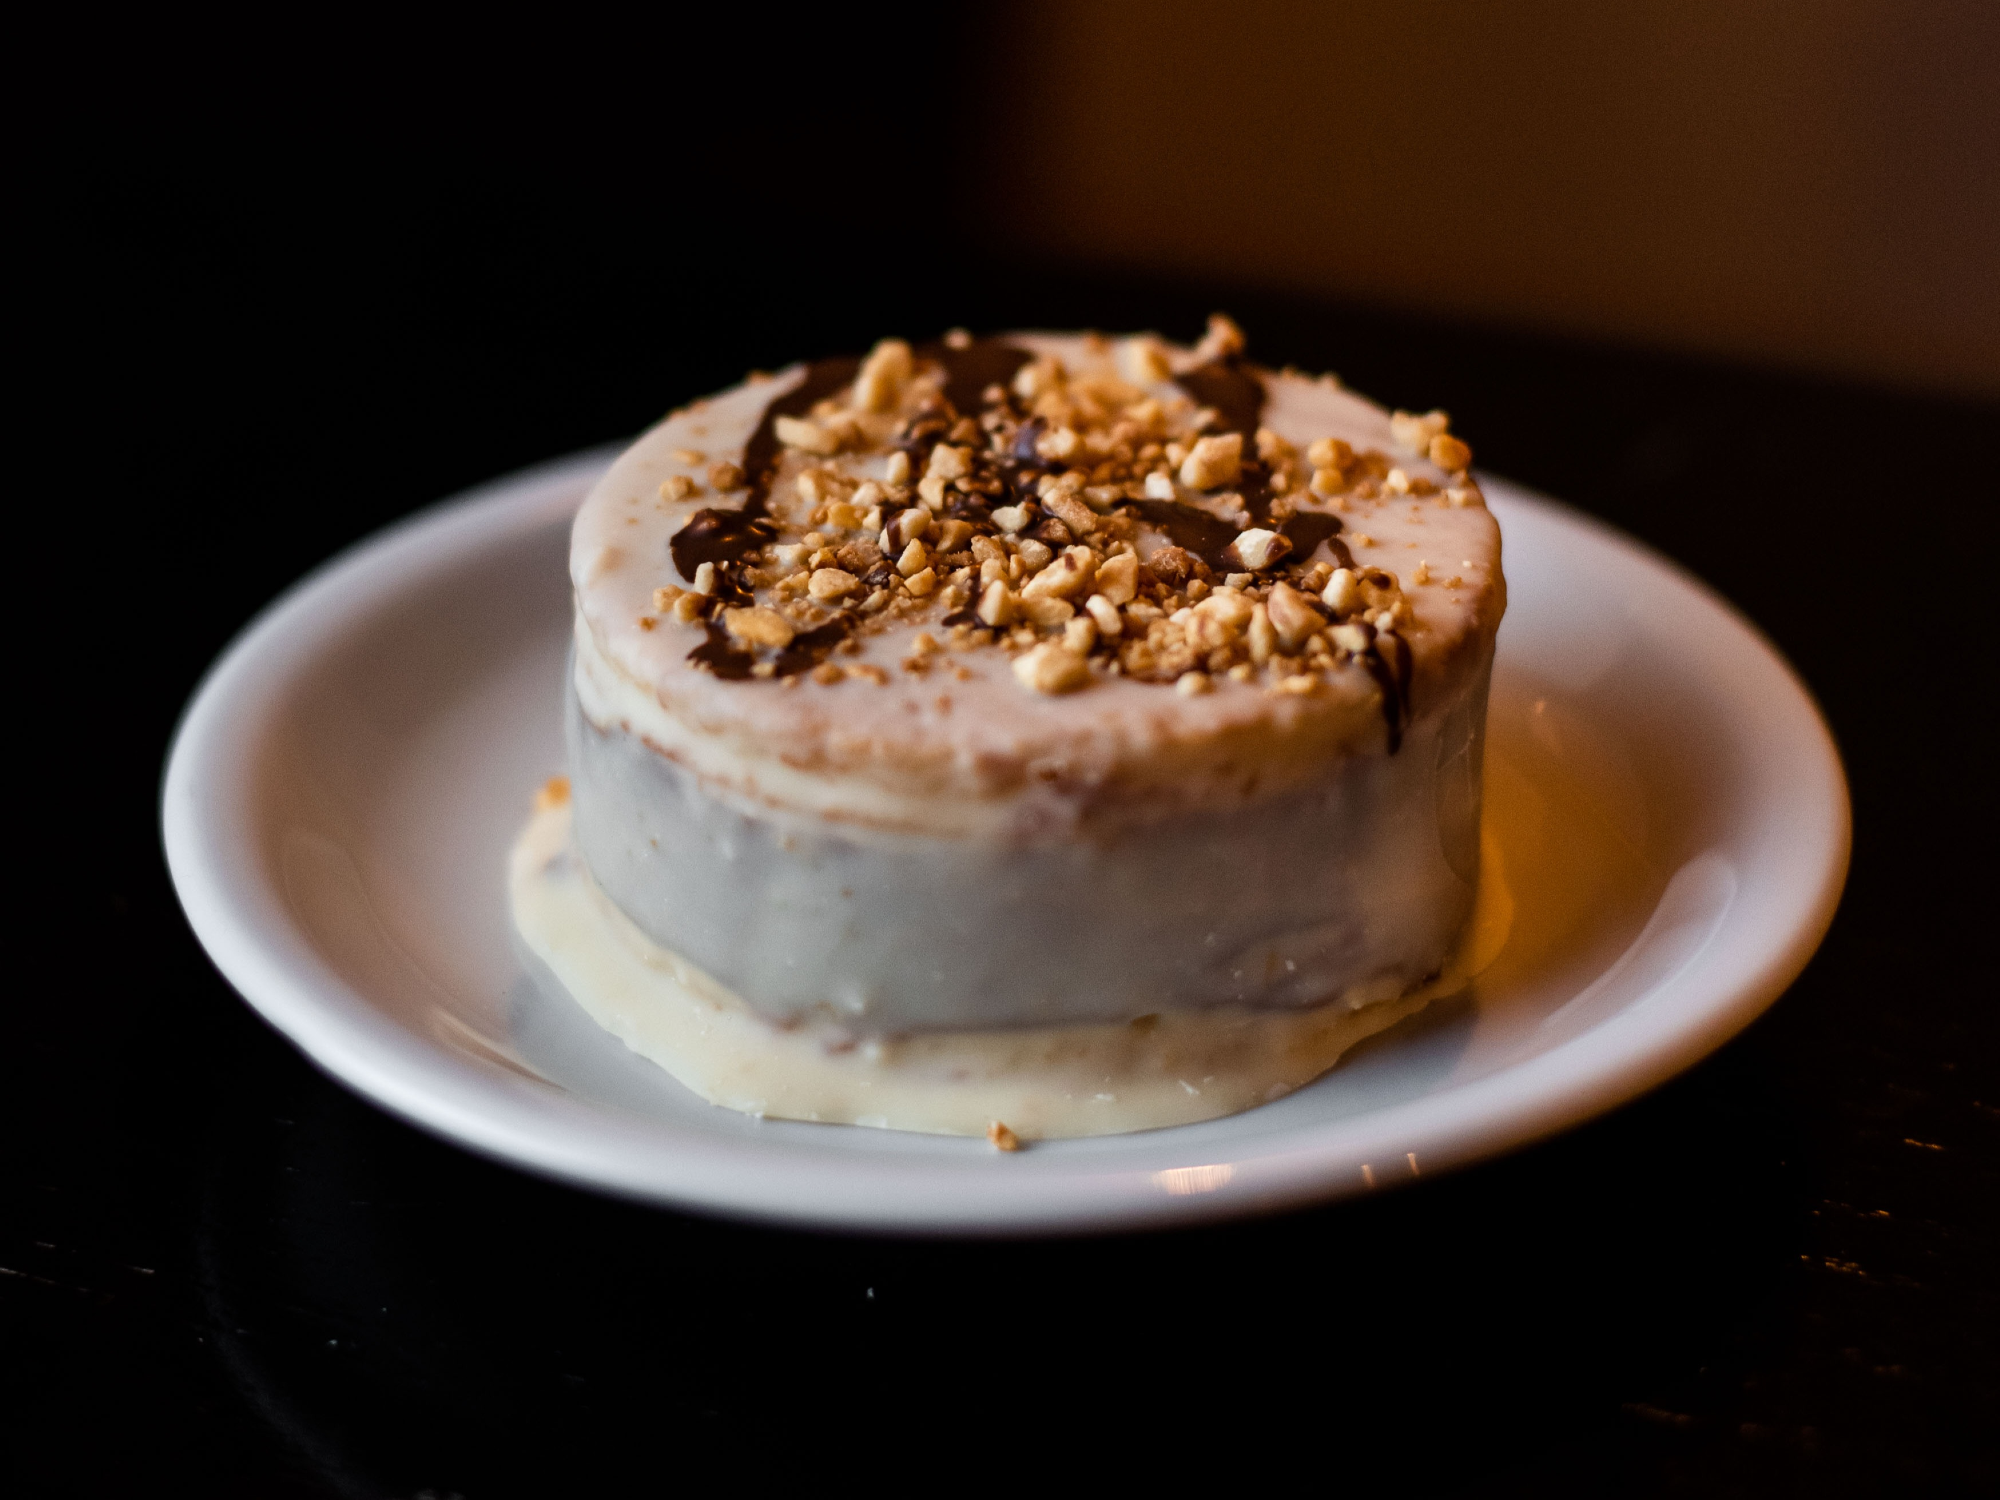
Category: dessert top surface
[1058,561]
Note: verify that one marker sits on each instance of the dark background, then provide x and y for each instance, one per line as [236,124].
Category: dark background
[282,288]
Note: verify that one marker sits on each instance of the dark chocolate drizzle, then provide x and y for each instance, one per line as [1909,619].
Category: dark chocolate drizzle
[721,655]
[1233,389]
[811,647]
[1393,678]
[760,455]
[1190,528]
[971,368]
[726,537]
[1307,529]
[808,649]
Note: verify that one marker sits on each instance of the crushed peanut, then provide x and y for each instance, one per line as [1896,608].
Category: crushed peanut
[1449,453]
[1049,668]
[757,626]
[1213,462]
[830,583]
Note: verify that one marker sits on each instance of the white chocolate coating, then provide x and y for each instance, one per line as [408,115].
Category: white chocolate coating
[1042,1082]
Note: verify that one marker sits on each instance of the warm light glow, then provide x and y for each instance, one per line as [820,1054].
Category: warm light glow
[1181,1181]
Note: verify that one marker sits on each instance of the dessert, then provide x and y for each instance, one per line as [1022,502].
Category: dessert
[1071,733]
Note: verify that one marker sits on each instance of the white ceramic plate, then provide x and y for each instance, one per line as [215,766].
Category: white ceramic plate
[344,787]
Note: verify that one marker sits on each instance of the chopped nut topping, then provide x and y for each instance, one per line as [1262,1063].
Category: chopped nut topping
[996,605]
[830,583]
[1067,577]
[692,457]
[1450,453]
[828,672]
[1074,514]
[1002,1138]
[1413,433]
[1143,361]
[554,793]
[1257,549]
[1213,462]
[1459,497]
[1263,636]
[1024,521]
[882,376]
[1222,339]
[1049,668]
[1353,639]
[665,595]
[758,627]
[1046,611]
[810,437]
[1118,578]
[911,524]
[948,463]
[1292,617]
[1271,448]
[725,477]
[1193,684]
[1061,444]
[1110,623]
[1329,453]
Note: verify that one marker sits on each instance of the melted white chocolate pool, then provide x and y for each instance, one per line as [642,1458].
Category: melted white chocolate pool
[1172,1068]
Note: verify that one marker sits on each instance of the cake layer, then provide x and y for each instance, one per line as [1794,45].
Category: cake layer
[916,716]
[1036,681]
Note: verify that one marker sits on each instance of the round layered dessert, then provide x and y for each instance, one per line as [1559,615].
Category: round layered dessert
[1027,736]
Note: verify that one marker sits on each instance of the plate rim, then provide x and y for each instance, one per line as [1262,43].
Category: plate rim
[247,933]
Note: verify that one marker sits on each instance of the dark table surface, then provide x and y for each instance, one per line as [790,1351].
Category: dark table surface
[1777,1274]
